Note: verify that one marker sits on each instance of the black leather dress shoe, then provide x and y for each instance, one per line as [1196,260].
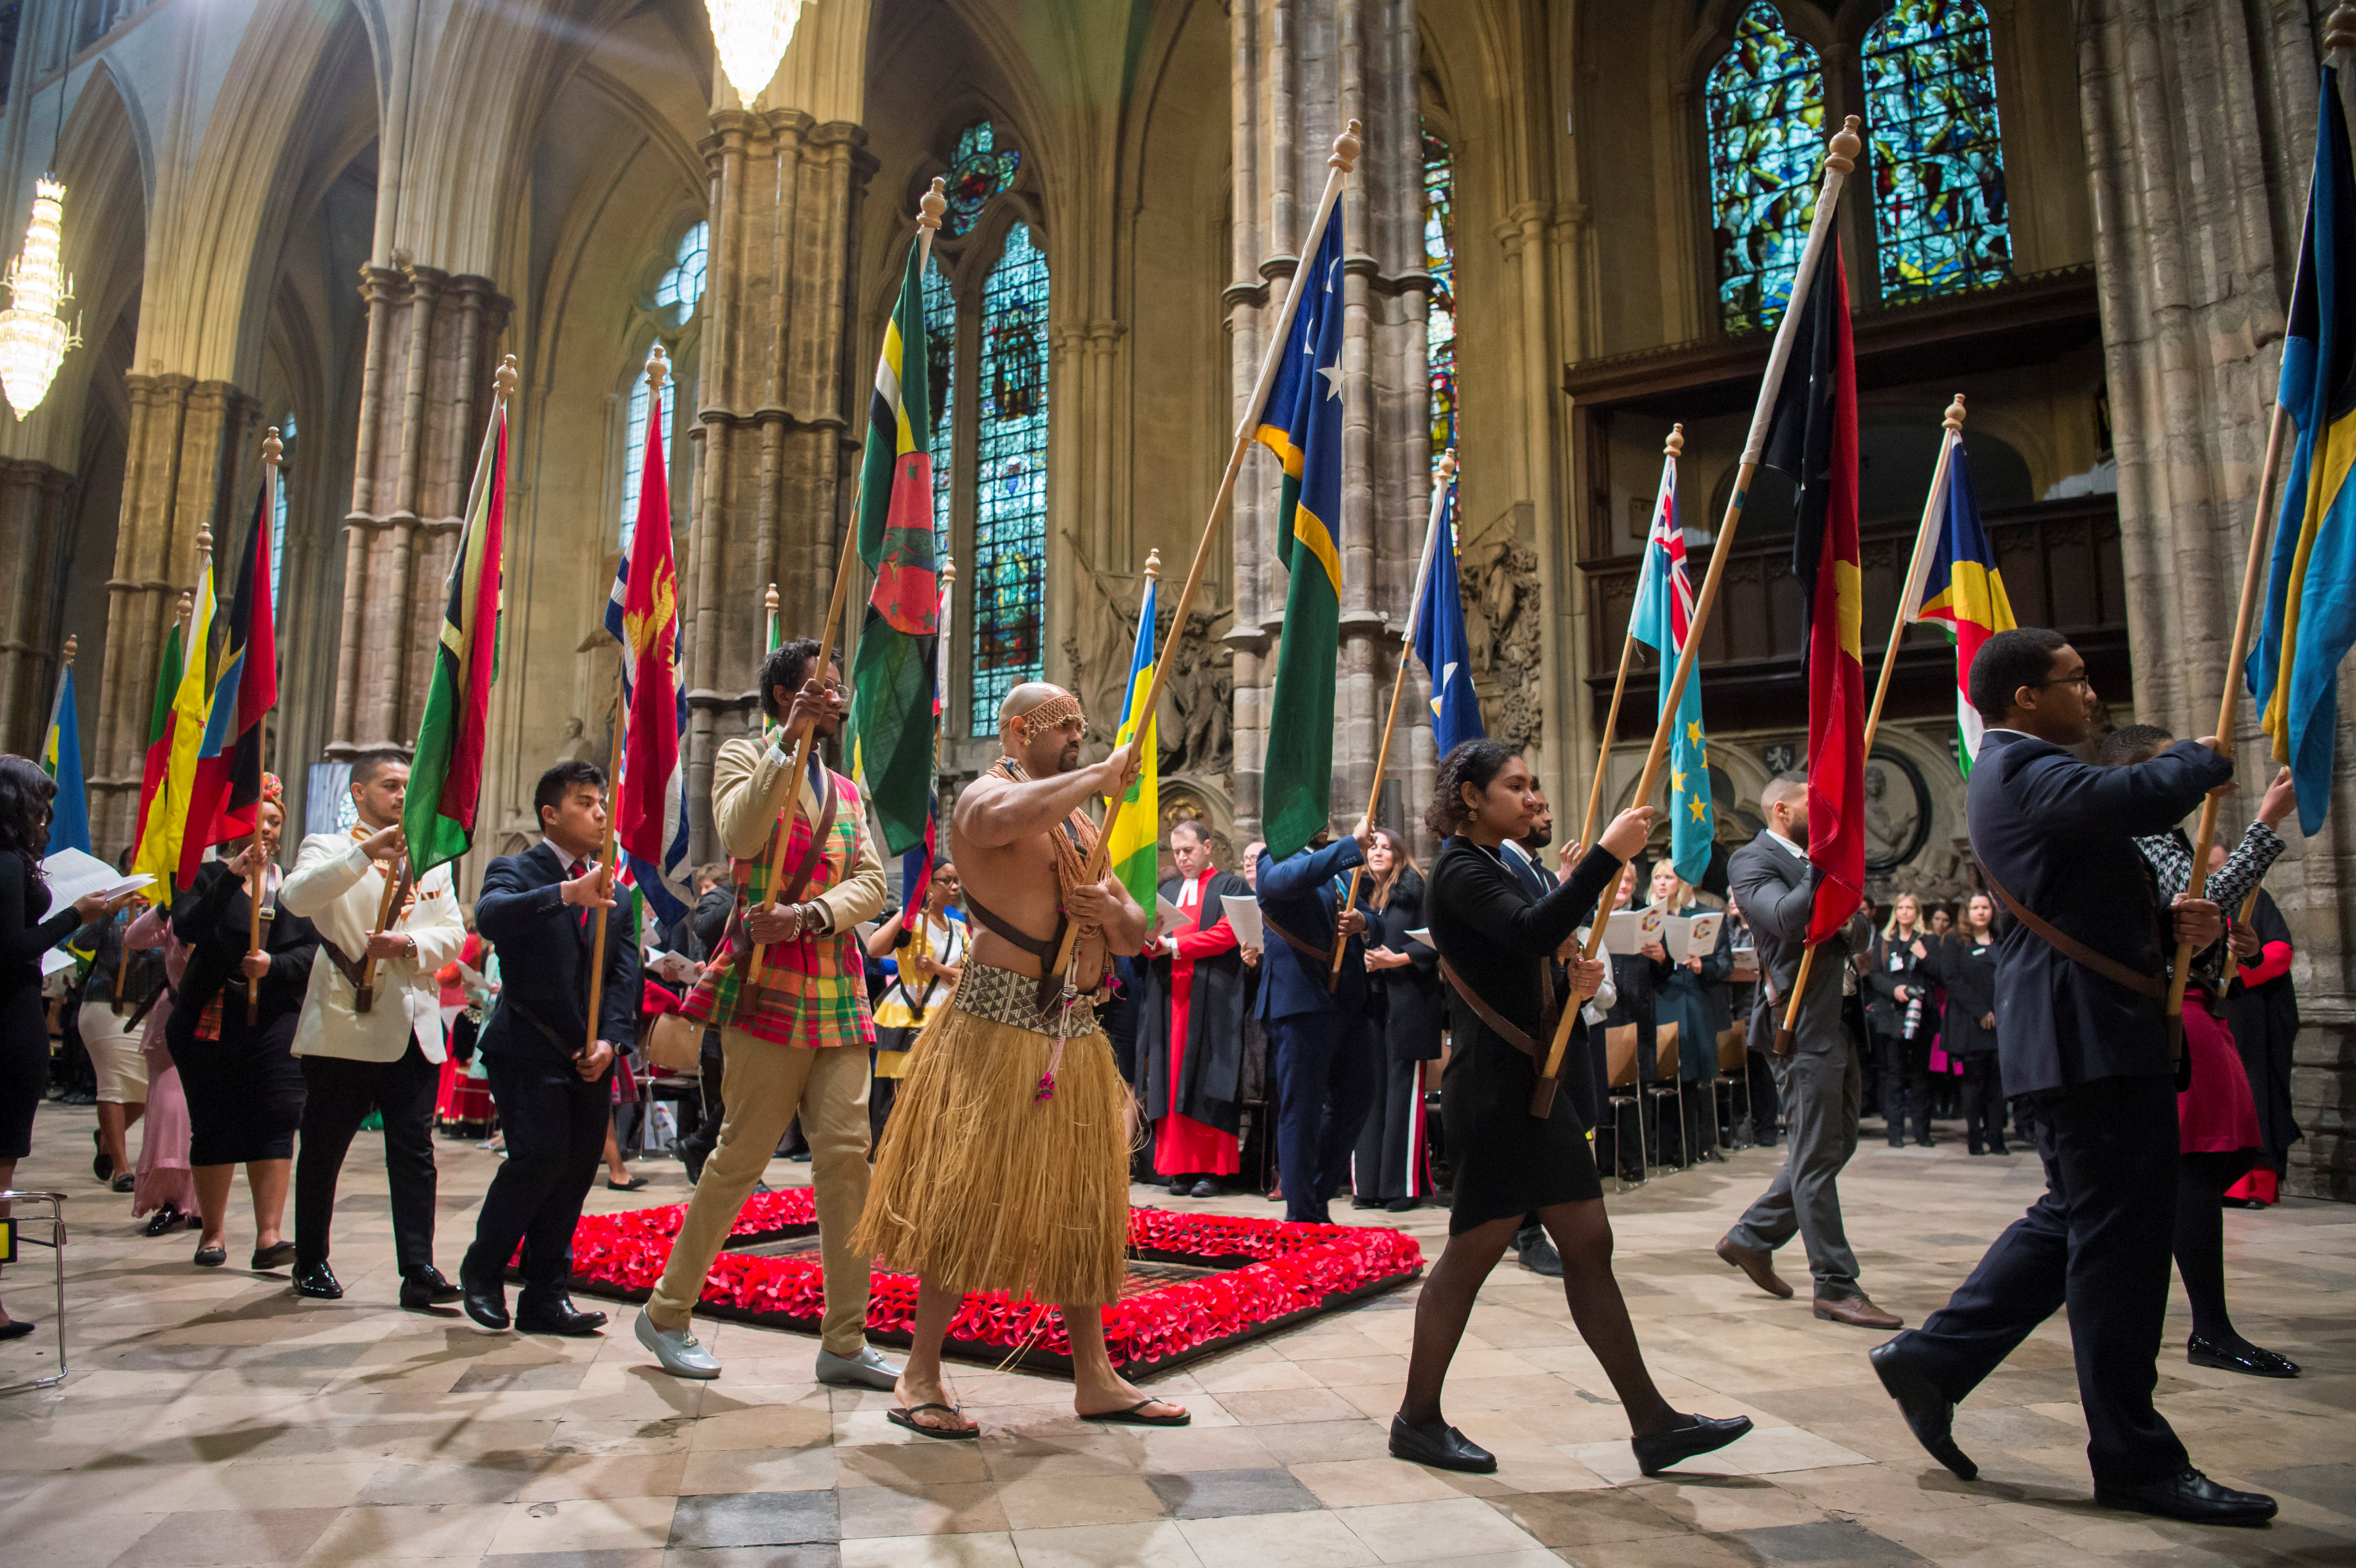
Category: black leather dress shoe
[1448,1449]
[1701,1435]
[423,1287]
[555,1314]
[1929,1413]
[486,1300]
[2190,1496]
[318,1282]
[2243,1357]
[164,1222]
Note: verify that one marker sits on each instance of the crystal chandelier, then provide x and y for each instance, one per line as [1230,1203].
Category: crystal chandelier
[752,35]
[34,337]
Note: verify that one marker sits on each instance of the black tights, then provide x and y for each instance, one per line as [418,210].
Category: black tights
[2199,1244]
[1582,1234]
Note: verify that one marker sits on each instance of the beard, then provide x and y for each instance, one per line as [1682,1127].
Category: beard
[1068,758]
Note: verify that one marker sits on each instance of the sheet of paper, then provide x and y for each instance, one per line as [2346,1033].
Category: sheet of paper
[56,961]
[1243,919]
[1174,919]
[1420,934]
[73,875]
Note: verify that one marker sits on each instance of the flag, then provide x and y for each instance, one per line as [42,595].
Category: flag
[164,823]
[226,786]
[159,732]
[893,679]
[445,775]
[1301,423]
[916,865]
[1135,850]
[1963,591]
[650,784]
[61,760]
[2310,618]
[1446,651]
[1660,619]
[1813,438]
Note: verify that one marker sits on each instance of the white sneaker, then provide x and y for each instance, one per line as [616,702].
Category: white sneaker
[682,1355]
[866,1370]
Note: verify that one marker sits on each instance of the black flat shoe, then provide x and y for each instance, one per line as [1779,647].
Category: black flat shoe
[15,1328]
[486,1300]
[124,1183]
[318,1282]
[2190,1496]
[1666,1450]
[164,1222]
[425,1287]
[212,1257]
[1449,1450]
[277,1256]
[1930,1414]
[2244,1357]
[1205,1188]
[556,1314]
[1400,1205]
[632,1185]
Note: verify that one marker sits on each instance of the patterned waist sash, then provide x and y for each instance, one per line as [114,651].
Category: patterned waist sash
[1004,996]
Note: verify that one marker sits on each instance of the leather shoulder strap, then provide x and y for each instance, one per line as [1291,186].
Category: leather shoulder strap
[353,970]
[2070,947]
[1503,1027]
[817,850]
[1319,954]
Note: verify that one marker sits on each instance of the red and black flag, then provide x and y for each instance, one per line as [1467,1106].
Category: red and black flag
[1813,438]
[228,787]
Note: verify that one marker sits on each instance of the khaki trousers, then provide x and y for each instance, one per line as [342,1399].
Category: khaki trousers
[763,1087]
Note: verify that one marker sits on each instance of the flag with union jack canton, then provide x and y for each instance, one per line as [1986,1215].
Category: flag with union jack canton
[649,802]
[1662,617]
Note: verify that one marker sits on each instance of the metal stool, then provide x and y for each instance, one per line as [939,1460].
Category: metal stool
[14,1231]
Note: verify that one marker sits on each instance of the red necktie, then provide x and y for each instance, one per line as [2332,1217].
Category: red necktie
[574,873]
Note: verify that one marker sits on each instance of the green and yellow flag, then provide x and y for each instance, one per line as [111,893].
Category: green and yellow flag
[1135,849]
[166,816]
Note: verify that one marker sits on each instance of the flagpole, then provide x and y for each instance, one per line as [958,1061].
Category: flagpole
[934,203]
[1338,164]
[1670,450]
[274,453]
[1840,157]
[1446,476]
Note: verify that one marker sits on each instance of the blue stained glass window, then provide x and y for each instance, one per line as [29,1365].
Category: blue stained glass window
[1766,114]
[278,523]
[683,285]
[634,443]
[1938,162]
[940,367]
[1009,527]
[979,171]
[1439,320]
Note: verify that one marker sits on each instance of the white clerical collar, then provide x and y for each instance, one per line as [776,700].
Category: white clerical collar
[1190,890]
[1797,851]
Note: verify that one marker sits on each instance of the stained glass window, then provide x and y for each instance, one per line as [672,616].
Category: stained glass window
[1938,165]
[683,285]
[1766,111]
[979,171]
[278,522]
[1440,321]
[1009,525]
[940,366]
[634,441]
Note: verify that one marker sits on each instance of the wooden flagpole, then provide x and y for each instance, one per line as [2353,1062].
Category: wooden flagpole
[1840,157]
[934,203]
[1432,531]
[1671,450]
[1934,508]
[274,453]
[1338,164]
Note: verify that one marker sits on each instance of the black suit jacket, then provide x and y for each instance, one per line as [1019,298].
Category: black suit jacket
[2059,835]
[1777,894]
[543,945]
[211,916]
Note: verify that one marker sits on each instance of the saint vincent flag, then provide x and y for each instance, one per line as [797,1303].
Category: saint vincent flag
[1962,590]
[159,729]
[61,760]
[1301,423]
[227,789]
[1445,650]
[1135,850]
[1660,619]
[165,823]
[445,779]
[2309,619]
[1813,438]
[650,824]
[893,678]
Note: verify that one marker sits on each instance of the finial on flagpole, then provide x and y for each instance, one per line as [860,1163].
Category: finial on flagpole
[204,542]
[1846,146]
[2339,30]
[948,569]
[769,599]
[1955,420]
[188,606]
[505,379]
[658,368]
[1346,148]
[1675,445]
[1447,467]
[72,645]
[933,203]
[273,451]
[1154,563]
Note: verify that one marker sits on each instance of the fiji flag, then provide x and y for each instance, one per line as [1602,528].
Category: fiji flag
[1661,618]
[1963,590]
[1440,643]
[1136,837]
[61,760]
[649,804]
[2310,607]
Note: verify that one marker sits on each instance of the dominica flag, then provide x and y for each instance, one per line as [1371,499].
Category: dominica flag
[916,865]
[1135,850]
[893,678]
[2309,619]
[445,778]
[650,826]
[1301,423]
[1660,619]
[225,792]
[163,815]
[159,732]
[1443,646]
[1961,589]
[61,760]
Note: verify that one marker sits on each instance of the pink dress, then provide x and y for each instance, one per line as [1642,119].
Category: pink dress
[2217,1113]
[162,1176]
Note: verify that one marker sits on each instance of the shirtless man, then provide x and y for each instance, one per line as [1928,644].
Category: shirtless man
[1005,1164]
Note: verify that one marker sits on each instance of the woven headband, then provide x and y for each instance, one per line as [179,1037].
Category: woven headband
[1056,712]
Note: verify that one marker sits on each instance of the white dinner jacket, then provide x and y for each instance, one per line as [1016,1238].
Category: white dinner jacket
[339,889]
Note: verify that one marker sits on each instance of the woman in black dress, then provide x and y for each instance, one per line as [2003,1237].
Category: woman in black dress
[1965,962]
[1494,942]
[1390,1168]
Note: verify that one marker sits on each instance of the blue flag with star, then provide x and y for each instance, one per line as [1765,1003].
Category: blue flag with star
[1442,645]
[1661,620]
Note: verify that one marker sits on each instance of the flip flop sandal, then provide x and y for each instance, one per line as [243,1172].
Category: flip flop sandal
[905,1415]
[1130,1417]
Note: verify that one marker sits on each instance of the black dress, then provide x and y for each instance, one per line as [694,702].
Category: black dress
[24,1022]
[1392,1159]
[244,1088]
[1498,939]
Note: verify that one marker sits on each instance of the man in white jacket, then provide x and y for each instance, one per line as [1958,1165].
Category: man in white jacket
[382,1051]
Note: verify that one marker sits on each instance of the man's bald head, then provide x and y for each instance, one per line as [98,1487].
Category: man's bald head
[1041,726]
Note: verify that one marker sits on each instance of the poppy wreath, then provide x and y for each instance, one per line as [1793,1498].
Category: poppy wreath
[1270,1273]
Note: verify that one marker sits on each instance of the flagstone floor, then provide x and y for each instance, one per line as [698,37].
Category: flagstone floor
[211,1418]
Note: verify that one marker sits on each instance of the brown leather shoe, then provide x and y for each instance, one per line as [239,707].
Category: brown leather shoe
[1857,1311]
[1759,1265]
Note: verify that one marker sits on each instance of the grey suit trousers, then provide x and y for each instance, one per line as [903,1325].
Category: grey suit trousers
[1823,1092]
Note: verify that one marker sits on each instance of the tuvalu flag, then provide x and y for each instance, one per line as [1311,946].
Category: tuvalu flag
[226,786]
[1301,423]
[892,677]
[2310,621]
[61,760]
[445,778]
[1135,850]
[1964,591]
[1660,619]
[1443,646]
[650,825]
[164,820]
[1813,438]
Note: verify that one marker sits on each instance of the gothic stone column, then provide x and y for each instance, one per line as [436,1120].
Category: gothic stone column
[35,511]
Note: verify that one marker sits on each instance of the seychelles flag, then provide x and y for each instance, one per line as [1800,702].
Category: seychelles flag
[446,780]
[1963,589]
[642,613]
[61,760]
[1136,837]
[1662,617]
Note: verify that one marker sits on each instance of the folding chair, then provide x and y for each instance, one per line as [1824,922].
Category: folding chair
[1733,1069]
[1667,1083]
[1620,1090]
[49,1231]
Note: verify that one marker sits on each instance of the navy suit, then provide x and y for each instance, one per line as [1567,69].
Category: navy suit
[2060,837]
[1324,1046]
[554,1120]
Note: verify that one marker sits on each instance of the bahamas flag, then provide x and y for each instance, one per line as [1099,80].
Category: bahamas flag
[446,782]
[1136,837]
[61,760]
[642,615]
[1963,591]
[164,823]
[1301,423]
[1660,619]
[2310,607]
[1440,643]
[891,679]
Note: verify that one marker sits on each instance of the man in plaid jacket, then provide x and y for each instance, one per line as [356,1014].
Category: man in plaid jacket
[794,1040]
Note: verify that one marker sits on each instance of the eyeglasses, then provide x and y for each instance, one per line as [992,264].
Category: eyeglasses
[2078,680]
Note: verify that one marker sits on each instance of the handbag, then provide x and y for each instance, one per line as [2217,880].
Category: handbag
[674,1044]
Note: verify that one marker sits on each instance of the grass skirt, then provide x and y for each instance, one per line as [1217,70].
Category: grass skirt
[979,1185]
